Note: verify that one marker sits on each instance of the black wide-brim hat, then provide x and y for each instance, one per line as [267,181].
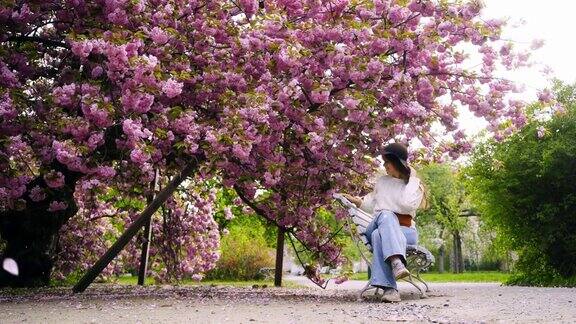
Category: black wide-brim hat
[399,151]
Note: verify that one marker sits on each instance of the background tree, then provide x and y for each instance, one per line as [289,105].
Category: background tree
[447,200]
[98,96]
[525,188]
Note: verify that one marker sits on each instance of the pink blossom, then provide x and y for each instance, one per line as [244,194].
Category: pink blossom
[57,206]
[99,117]
[68,155]
[536,44]
[133,129]
[105,172]
[293,8]
[379,46]
[82,49]
[137,101]
[416,5]
[505,49]
[118,16]
[149,62]
[545,95]
[319,97]
[97,71]
[340,279]
[172,88]
[7,110]
[425,91]
[16,188]
[241,152]
[37,194]
[269,179]
[17,146]
[158,35]
[408,44]
[559,109]
[138,156]
[54,179]
[228,213]
[95,140]
[540,131]
[350,103]
[249,6]
[397,14]
[375,67]
[64,95]
[7,77]
[445,28]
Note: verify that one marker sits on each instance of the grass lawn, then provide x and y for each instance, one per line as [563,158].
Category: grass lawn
[260,283]
[479,276]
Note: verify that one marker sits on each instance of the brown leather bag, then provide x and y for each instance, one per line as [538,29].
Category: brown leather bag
[404,219]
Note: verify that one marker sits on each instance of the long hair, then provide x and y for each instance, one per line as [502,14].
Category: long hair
[424,202]
[405,175]
[404,171]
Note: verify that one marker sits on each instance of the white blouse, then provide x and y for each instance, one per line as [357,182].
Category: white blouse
[395,195]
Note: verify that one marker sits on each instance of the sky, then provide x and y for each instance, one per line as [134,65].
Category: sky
[551,21]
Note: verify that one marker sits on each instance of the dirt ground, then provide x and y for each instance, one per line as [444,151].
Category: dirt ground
[448,302]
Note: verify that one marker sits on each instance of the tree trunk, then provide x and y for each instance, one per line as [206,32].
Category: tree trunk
[279,258]
[30,234]
[147,236]
[460,255]
[454,253]
[30,242]
[441,257]
[458,266]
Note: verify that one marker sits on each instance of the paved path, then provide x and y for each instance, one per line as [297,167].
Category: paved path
[448,302]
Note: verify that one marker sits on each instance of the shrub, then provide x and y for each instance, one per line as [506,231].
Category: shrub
[526,188]
[243,253]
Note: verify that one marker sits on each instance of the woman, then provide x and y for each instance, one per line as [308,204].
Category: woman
[393,202]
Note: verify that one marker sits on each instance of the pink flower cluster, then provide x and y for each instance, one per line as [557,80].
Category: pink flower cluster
[57,206]
[54,179]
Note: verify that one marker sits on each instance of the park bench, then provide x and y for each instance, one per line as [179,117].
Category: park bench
[266,273]
[418,258]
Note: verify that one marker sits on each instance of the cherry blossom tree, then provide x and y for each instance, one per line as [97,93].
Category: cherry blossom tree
[278,97]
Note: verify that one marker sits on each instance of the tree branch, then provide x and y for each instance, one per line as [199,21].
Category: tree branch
[36,39]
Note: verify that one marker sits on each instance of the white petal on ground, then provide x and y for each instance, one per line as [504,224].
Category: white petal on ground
[10,266]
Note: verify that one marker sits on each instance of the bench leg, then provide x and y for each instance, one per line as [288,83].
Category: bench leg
[417,276]
[365,289]
[368,287]
[411,281]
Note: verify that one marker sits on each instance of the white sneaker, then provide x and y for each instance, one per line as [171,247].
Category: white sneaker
[391,295]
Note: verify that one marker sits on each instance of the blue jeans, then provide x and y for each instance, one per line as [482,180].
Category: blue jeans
[387,238]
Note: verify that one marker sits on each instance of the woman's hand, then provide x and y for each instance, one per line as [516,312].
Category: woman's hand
[355,200]
[347,196]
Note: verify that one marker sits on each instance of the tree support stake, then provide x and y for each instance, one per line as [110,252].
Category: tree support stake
[279,257]
[133,229]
